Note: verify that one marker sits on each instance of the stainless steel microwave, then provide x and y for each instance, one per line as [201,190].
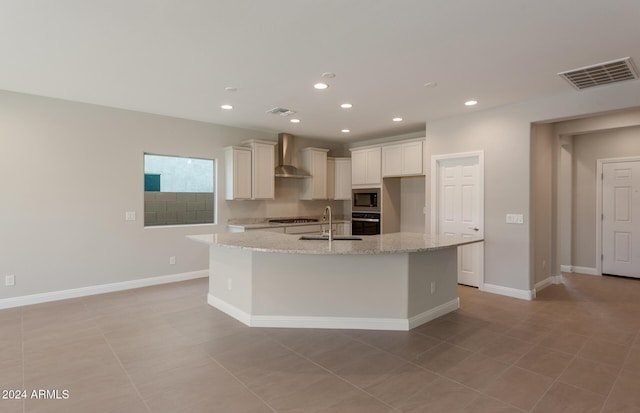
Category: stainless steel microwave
[365,200]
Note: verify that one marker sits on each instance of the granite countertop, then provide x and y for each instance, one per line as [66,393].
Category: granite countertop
[399,242]
[251,223]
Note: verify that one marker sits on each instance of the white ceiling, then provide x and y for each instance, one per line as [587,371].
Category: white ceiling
[175,57]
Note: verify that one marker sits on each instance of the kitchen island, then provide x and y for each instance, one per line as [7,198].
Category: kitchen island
[382,282]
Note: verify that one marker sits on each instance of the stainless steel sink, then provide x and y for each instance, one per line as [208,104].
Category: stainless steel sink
[326,238]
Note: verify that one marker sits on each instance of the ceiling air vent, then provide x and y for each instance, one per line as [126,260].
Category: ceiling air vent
[601,74]
[281,111]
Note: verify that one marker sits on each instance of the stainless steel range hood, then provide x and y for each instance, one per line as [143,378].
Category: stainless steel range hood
[285,169]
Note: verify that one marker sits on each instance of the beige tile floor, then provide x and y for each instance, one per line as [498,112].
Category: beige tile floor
[163,349]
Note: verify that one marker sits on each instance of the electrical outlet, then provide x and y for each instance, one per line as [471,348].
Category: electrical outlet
[172,260]
[10,280]
[433,287]
[229,285]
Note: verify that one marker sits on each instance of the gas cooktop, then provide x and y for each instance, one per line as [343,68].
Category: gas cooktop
[292,220]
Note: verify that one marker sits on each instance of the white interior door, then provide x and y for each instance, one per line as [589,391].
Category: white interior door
[621,218]
[459,203]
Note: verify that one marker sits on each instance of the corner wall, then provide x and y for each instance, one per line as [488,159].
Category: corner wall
[504,135]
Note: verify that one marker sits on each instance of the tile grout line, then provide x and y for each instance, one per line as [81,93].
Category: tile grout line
[608,396]
[104,337]
[442,376]
[236,378]
[334,374]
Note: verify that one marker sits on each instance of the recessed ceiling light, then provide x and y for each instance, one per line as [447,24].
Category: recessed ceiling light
[430,84]
[346,106]
[295,121]
[328,75]
[471,102]
[398,119]
[321,86]
[227,107]
[345,130]
[231,89]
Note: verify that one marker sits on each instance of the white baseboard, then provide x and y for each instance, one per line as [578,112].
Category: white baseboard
[352,323]
[581,270]
[99,289]
[509,292]
[229,309]
[556,279]
[586,270]
[434,313]
[543,284]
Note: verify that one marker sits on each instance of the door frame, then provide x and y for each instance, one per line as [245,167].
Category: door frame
[435,185]
[599,199]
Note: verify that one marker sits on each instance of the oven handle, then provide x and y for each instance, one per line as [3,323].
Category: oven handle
[365,219]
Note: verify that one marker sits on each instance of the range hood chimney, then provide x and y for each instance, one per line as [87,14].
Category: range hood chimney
[285,169]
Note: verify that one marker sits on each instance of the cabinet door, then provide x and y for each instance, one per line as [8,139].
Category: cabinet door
[412,158]
[365,166]
[358,167]
[392,162]
[331,178]
[314,160]
[319,174]
[342,179]
[263,171]
[238,173]
[373,166]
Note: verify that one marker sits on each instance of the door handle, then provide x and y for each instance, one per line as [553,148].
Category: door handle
[476,229]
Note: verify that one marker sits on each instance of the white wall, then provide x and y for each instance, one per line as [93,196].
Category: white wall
[504,135]
[69,171]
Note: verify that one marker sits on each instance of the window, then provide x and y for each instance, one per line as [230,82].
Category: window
[178,191]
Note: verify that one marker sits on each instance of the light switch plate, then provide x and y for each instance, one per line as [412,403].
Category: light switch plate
[10,280]
[515,219]
[130,215]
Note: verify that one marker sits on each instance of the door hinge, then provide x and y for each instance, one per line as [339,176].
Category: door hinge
[601,257]
[602,217]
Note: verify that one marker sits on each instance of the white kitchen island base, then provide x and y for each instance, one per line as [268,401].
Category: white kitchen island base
[386,291]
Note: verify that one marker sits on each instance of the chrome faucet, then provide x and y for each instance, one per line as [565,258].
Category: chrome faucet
[324,218]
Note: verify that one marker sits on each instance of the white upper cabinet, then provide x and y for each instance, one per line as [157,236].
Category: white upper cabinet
[237,162]
[331,178]
[263,169]
[403,159]
[342,179]
[314,161]
[250,171]
[365,166]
